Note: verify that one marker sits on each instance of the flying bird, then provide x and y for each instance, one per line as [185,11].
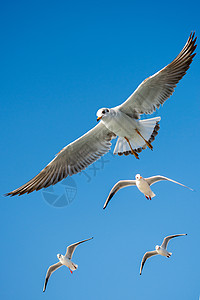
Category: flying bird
[64,260]
[162,250]
[122,121]
[143,185]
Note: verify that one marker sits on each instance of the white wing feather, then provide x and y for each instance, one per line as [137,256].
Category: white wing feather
[168,238]
[72,159]
[71,248]
[119,185]
[50,270]
[154,179]
[156,89]
[145,257]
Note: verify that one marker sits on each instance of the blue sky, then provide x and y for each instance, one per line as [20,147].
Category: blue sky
[60,62]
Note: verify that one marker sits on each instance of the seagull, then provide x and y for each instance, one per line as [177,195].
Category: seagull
[143,185]
[64,260]
[162,250]
[122,121]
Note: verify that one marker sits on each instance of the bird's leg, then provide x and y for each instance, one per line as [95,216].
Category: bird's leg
[148,144]
[70,271]
[133,152]
[147,197]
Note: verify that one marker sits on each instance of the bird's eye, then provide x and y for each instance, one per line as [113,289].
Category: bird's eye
[103,111]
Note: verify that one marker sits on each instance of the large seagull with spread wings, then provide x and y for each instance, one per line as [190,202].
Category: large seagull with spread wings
[122,121]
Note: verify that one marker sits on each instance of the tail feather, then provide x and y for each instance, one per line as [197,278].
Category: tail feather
[152,194]
[169,254]
[74,267]
[148,129]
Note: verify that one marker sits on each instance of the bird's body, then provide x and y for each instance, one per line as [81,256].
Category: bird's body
[143,185]
[133,134]
[122,121]
[114,119]
[67,262]
[161,250]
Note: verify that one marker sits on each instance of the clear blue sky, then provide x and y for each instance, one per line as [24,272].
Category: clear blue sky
[60,62]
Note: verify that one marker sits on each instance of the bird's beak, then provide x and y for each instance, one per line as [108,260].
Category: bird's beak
[99,118]
[140,177]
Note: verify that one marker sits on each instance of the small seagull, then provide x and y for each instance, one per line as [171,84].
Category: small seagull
[122,121]
[162,250]
[64,260]
[143,185]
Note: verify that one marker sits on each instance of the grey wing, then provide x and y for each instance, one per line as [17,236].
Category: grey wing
[50,270]
[168,238]
[119,185]
[154,179]
[71,248]
[72,159]
[145,257]
[156,89]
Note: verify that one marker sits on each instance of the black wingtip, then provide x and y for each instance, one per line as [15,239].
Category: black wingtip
[108,200]
[106,203]
[10,194]
[192,34]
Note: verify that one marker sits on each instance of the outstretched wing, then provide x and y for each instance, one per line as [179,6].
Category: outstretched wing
[156,89]
[50,270]
[71,160]
[119,185]
[71,248]
[145,257]
[168,238]
[154,179]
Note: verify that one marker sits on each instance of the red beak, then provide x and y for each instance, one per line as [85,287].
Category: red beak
[98,119]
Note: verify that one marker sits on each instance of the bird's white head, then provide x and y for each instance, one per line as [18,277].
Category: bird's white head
[59,256]
[157,247]
[102,112]
[138,177]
